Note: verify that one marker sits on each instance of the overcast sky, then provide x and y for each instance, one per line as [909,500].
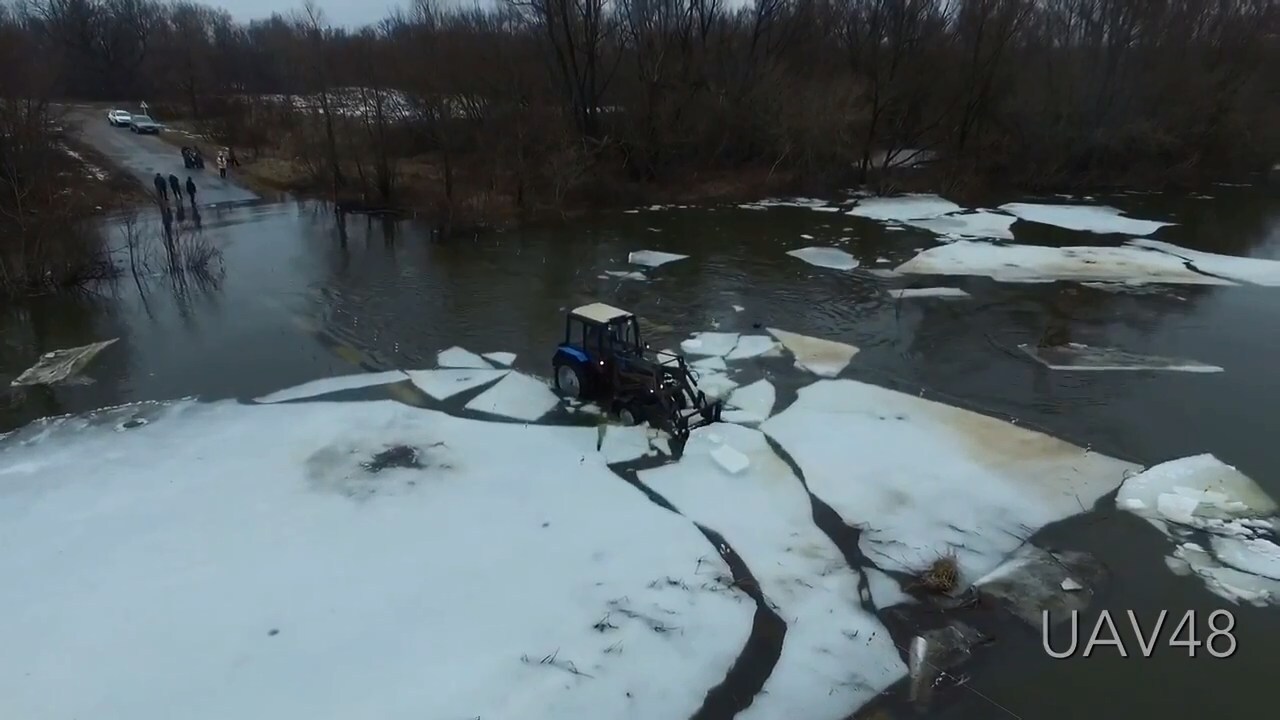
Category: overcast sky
[338,12]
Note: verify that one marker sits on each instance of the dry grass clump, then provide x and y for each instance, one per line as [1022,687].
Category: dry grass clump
[942,576]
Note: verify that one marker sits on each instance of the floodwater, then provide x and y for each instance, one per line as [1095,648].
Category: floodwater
[301,298]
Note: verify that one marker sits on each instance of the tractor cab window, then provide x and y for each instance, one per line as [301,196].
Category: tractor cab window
[591,337]
[625,335]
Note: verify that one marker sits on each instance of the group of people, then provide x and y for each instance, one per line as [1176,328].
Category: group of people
[163,188]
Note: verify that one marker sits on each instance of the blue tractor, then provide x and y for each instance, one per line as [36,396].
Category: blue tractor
[603,359]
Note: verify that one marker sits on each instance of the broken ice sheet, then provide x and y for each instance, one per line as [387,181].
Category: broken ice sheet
[444,384]
[1192,496]
[718,344]
[1258,271]
[980,488]
[976,224]
[517,396]
[501,358]
[903,207]
[827,257]
[1039,264]
[625,275]
[1032,580]
[751,403]
[324,386]
[933,292]
[185,558]
[836,656]
[750,346]
[58,366]
[826,358]
[1077,357]
[653,258]
[457,357]
[715,385]
[1083,218]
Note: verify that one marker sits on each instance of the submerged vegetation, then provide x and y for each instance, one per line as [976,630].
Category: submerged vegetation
[524,106]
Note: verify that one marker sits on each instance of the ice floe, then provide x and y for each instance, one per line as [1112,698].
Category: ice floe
[1225,525]
[827,257]
[623,275]
[836,656]
[924,479]
[715,385]
[712,362]
[1083,218]
[516,396]
[62,366]
[653,258]
[501,358]
[333,560]
[710,343]
[751,403]
[324,386]
[624,443]
[1258,271]
[457,357]
[805,203]
[1032,580]
[750,346]
[904,207]
[931,292]
[1077,357]
[1037,264]
[976,224]
[825,358]
[444,384]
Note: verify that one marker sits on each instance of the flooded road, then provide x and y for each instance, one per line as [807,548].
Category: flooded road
[303,298]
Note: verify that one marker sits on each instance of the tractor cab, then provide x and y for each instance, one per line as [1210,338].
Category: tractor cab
[603,357]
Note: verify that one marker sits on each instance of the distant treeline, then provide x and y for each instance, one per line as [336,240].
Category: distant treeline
[563,98]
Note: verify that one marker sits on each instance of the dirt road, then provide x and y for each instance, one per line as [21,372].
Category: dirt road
[145,155]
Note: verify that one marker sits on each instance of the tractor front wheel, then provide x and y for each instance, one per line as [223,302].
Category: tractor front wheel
[569,381]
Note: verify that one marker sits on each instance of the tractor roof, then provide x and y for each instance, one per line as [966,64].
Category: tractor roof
[600,313]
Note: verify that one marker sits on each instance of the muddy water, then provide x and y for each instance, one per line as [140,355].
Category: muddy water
[302,298]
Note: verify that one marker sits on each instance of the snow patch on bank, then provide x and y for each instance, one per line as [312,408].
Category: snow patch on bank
[456,568]
[924,479]
[1224,524]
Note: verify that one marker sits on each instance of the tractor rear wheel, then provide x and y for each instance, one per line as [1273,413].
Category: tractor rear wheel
[568,381]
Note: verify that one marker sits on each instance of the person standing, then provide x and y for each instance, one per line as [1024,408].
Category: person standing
[176,187]
[232,160]
[191,190]
[222,166]
[162,190]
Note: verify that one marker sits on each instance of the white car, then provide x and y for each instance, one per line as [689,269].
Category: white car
[119,118]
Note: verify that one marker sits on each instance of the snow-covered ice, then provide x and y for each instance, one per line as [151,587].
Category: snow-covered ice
[925,479]
[516,396]
[827,257]
[730,459]
[825,358]
[1037,263]
[712,362]
[501,358]
[444,384]
[1077,357]
[715,385]
[710,343]
[835,656]
[653,258]
[750,346]
[904,207]
[59,366]
[457,357]
[1193,497]
[624,443]
[324,386]
[1258,271]
[930,292]
[163,575]
[1083,218]
[751,403]
[738,308]
[976,224]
